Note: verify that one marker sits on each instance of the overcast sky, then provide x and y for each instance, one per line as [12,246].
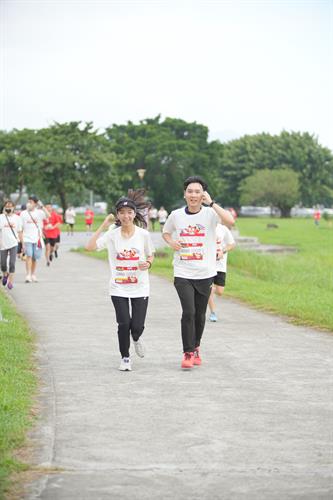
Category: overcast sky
[239,67]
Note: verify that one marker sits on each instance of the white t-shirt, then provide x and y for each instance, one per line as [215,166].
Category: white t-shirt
[124,255]
[162,216]
[153,213]
[70,215]
[8,240]
[197,233]
[224,237]
[30,232]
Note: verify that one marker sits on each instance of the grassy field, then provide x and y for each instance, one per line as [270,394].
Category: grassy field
[17,388]
[80,224]
[298,285]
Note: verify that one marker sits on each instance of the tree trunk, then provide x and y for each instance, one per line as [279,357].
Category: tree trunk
[63,200]
[285,212]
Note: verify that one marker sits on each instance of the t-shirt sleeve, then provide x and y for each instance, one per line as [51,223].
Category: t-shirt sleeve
[228,239]
[1,222]
[104,240]
[149,246]
[214,217]
[169,226]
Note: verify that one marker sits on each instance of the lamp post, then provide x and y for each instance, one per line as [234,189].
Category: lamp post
[141,173]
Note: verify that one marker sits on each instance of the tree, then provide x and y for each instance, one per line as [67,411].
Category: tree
[299,151]
[169,151]
[17,163]
[277,188]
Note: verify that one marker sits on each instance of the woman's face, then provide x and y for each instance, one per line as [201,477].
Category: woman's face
[126,216]
[8,208]
[193,195]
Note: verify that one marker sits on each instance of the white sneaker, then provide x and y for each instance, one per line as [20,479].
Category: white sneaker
[28,278]
[34,279]
[139,349]
[125,365]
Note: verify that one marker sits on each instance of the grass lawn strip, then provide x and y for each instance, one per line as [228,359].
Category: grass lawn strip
[18,382]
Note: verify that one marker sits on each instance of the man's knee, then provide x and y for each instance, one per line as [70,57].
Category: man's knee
[188,315]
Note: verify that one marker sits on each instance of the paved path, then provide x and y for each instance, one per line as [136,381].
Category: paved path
[253,422]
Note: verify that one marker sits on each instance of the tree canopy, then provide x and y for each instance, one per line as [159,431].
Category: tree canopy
[65,160]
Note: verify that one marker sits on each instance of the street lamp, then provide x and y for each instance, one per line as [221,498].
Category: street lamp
[141,173]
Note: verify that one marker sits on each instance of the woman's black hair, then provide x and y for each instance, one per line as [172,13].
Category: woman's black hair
[5,203]
[136,196]
[195,178]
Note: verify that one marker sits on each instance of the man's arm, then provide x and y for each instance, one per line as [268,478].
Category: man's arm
[224,215]
[175,245]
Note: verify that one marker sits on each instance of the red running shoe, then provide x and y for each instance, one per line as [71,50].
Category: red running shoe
[188,360]
[197,358]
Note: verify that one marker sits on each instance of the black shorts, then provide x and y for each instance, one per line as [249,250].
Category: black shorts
[57,239]
[50,241]
[220,278]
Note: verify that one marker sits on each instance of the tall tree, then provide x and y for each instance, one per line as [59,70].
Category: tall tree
[277,188]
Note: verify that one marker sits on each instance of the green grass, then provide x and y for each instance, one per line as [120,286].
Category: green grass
[17,388]
[80,225]
[298,285]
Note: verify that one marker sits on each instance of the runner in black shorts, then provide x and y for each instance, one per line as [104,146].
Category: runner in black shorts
[220,278]
[224,244]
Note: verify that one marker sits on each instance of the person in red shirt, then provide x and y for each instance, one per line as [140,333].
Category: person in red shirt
[89,218]
[317,217]
[51,231]
[60,222]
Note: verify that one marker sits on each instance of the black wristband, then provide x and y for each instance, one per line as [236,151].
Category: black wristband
[212,203]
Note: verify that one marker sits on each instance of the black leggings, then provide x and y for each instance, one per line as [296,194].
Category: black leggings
[12,258]
[128,325]
[193,295]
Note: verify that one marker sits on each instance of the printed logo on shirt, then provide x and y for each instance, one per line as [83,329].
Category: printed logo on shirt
[196,230]
[131,254]
[127,274]
[126,280]
[192,245]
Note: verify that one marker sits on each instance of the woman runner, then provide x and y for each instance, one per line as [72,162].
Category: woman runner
[130,251]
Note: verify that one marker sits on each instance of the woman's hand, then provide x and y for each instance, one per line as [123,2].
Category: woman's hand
[144,265]
[108,221]
[219,254]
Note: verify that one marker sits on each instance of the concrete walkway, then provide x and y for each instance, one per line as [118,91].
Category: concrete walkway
[253,422]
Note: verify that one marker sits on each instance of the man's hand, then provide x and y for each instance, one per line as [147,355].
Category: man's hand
[175,245]
[206,198]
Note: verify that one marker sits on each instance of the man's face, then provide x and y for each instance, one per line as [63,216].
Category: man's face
[193,194]
[49,208]
[31,205]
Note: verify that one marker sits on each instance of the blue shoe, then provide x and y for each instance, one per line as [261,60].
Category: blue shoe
[4,280]
[213,317]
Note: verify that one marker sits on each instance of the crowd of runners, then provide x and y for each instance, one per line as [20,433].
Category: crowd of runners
[198,233]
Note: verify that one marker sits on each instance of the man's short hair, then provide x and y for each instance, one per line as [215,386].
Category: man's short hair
[34,198]
[195,178]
